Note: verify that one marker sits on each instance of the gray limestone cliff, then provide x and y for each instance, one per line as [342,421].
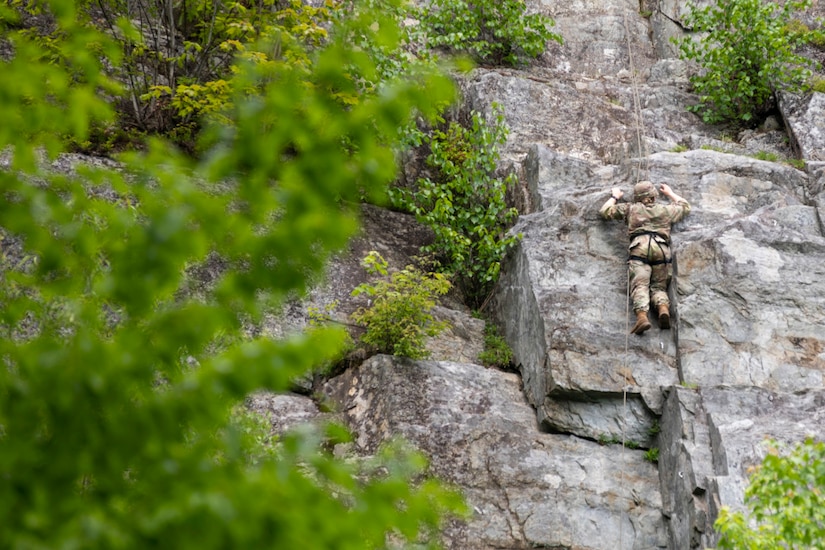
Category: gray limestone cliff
[535,452]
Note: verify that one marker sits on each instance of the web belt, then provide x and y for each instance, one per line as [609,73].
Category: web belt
[648,261]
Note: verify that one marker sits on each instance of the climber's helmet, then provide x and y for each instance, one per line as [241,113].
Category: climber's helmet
[644,190]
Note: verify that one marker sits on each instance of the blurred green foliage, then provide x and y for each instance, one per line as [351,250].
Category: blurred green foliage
[178,59]
[785,501]
[117,385]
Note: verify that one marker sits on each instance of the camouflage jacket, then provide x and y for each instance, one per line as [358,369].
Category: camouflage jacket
[646,219]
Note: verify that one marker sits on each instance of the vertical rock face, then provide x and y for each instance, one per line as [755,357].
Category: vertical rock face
[748,308]
[569,278]
[536,454]
[747,296]
[597,35]
[749,268]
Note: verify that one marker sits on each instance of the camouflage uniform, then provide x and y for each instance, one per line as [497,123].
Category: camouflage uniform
[650,258]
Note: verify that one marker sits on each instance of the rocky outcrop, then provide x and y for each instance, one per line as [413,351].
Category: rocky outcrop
[526,489]
[748,306]
[710,439]
[568,277]
[748,309]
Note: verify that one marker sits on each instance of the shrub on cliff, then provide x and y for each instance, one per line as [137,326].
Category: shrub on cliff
[464,203]
[399,317]
[746,53]
[496,32]
[785,500]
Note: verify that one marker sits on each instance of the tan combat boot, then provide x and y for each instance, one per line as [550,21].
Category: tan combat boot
[664,316]
[642,324]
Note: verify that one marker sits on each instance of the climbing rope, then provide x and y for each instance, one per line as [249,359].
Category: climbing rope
[624,400]
[637,108]
[642,156]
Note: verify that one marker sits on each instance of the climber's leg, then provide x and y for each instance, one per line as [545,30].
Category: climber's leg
[639,285]
[659,281]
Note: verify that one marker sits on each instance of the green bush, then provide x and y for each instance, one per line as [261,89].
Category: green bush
[785,500]
[398,319]
[490,31]
[117,385]
[464,203]
[178,58]
[746,53]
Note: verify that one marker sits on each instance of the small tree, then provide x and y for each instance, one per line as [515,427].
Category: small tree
[746,54]
[490,31]
[785,500]
[399,318]
[465,204]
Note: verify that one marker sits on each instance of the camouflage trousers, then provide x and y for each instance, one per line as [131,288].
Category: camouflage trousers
[649,279]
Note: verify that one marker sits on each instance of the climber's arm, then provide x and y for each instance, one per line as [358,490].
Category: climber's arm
[610,210]
[668,192]
[678,202]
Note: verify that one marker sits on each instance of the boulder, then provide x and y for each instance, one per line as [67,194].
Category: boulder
[525,488]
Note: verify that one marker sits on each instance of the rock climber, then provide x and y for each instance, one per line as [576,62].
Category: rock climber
[649,261]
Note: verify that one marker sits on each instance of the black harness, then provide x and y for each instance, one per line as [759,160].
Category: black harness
[648,261]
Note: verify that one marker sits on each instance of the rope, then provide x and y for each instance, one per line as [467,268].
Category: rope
[624,401]
[642,152]
[637,107]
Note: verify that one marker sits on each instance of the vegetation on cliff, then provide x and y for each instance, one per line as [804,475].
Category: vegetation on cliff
[747,51]
[785,501]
